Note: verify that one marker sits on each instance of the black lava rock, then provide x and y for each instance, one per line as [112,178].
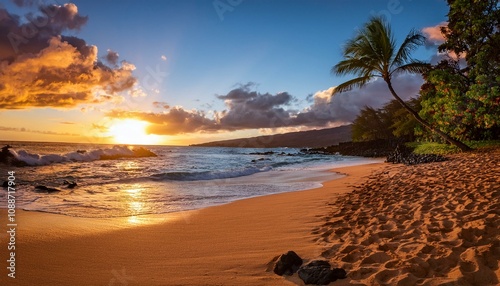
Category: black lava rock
[287,264]
[318,272]
[70,185]
[405,156]
[339,273]
[46,189]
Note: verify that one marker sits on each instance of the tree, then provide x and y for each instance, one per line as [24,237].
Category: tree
[370,125]
[465,101]
[473,30]
[390,122]
[373,53]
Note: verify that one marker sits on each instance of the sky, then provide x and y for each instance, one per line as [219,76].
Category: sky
[185,72]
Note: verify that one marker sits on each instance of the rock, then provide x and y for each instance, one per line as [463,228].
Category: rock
[339,273]
[143,152]
[70,185]
[46,189]
[405,156]
[262,153]
[319,272]
[8,158]
[287,264]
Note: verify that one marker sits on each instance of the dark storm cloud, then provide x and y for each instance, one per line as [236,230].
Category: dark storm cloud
[41,67]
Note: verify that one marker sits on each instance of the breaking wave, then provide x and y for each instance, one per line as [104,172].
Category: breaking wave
[116,152]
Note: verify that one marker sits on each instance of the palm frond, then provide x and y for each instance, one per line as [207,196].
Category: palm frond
[353,83]
[357,66]
[411,42]
[412,67]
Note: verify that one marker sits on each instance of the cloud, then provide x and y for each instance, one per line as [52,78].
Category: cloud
[433,34]
[22,129]
[247,109]
[112,57]
[24,3]
[40,67]
[344,107]
[161,104]
[434,38]
[175,121]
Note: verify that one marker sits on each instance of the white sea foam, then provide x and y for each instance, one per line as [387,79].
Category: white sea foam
[34,159]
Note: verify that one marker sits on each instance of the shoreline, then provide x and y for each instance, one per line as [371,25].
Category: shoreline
[213,192]
[218,245]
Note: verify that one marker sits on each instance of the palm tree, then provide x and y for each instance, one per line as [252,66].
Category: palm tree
[372,53]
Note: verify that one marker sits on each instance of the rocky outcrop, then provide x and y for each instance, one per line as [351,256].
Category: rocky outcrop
[375,148]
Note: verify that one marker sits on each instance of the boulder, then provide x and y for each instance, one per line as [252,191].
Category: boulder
[319,272]
[287,264]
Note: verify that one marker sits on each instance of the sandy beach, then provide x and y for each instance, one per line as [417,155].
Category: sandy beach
[431,224]
[230,244]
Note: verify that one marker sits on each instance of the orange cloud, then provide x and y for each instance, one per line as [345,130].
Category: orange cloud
[434,34]
[59,76]
[435,38]
[48,69]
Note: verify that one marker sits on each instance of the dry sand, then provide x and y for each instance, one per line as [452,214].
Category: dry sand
[432,224]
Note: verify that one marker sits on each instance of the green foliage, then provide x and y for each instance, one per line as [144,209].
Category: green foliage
[465,102]
[434,148]
[473,31]
[483,103]
[443,102]
[389,122]
[445,149]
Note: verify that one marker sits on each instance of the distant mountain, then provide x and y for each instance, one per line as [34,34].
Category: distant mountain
[301,139]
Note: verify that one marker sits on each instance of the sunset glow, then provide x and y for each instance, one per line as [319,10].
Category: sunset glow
[130,131]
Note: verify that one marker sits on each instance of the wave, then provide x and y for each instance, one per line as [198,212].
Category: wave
[116,152]
[206,175]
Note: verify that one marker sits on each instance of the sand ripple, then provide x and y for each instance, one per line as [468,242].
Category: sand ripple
[430,224]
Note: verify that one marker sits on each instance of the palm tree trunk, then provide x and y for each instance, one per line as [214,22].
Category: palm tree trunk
[445,136]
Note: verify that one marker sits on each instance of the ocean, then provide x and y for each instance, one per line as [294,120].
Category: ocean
[179,178]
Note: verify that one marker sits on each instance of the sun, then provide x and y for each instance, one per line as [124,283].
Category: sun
[131,131]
